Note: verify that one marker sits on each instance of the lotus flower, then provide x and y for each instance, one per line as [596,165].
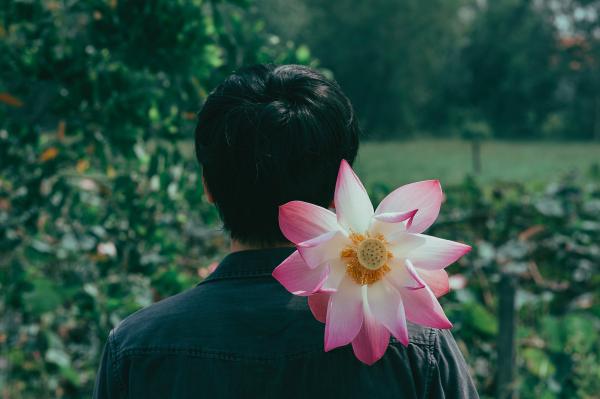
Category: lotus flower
[366,272]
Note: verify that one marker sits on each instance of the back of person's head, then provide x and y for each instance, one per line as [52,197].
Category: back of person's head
[268,135]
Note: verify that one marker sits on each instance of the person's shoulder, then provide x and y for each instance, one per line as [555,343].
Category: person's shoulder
[421,335]
[159,323]
[432,340]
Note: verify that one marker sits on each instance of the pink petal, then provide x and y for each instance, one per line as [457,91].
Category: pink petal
[386,306]
[402,243]
[344,315]
[297,277]
[384,228]
[323,248]
[410,268]
[337,271]
[318,305]
[318,240]
[437,280]
[390,222]
[301,221]
[426,196]
[395,217]
[372,341]
[400,277]
[352,204]
[426,252]
[422,307]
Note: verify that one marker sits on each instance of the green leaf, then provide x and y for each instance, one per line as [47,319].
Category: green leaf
[44,297]
[58,357]
[478,317]
[303,54]
[538,362]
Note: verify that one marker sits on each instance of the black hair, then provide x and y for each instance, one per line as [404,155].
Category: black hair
[268,135]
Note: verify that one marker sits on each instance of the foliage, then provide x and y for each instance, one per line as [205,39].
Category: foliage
[392,59]
[551,241]
[510,81]
[101,210]
[526,68]
[580,60]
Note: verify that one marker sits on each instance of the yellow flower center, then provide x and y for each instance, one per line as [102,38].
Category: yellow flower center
[372,253]
[366,258]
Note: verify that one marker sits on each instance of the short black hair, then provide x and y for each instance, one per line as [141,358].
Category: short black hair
[268,135]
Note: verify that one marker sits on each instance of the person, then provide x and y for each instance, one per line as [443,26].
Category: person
[265,136]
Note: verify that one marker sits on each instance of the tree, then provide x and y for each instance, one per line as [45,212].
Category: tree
[391,57]
[579,60]
[508,59]
[101,210]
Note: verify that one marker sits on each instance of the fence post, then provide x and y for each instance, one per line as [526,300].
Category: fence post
[507,322]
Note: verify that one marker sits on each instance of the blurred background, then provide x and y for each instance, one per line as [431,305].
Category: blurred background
[102,213]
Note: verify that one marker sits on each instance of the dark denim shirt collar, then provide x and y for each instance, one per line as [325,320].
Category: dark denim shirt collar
[250,263]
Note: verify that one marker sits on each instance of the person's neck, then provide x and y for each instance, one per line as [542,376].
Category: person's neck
[237,246]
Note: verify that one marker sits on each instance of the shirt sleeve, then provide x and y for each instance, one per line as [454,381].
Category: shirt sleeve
[450,375]
[106,386]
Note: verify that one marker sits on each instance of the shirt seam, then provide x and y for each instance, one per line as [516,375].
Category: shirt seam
[411,341]
[115,361]
[213,354]
[257,263]
[224,276]
[433,338]
[224,355]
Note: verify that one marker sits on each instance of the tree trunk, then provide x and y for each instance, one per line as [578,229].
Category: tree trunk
[597,117]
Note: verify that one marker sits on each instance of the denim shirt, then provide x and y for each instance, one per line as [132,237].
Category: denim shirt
[240,334]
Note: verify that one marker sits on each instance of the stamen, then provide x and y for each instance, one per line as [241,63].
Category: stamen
[363,276]
[356,238]
[366,258]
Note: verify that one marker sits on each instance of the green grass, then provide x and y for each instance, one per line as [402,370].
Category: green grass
[399,162]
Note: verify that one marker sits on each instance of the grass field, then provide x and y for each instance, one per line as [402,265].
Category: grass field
[399,162]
